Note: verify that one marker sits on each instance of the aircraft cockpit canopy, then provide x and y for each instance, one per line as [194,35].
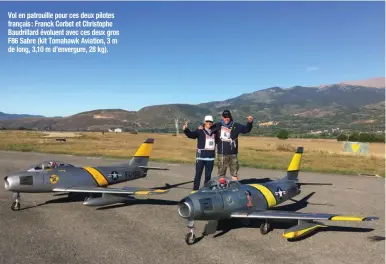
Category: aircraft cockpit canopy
[50,164]
[220,183]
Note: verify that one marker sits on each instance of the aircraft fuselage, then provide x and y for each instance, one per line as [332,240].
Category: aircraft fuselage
[207,204]
[46,180]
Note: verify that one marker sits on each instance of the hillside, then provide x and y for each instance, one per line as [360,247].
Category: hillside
[297,108]
[374,82]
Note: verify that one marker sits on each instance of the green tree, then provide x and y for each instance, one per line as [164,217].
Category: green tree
[366,137]
[379,137]
[354,137]
[342,137]
[282,134]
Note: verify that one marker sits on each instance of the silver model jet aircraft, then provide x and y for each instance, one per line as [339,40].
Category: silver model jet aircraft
[56,176]
[222,198]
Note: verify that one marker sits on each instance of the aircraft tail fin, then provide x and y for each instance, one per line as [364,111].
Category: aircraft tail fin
[142,155]
[294,166]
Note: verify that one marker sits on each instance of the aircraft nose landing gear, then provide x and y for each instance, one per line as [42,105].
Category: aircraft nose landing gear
[190,237]
[16,205]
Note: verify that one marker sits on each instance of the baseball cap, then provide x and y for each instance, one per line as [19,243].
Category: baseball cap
[208,118]
[226,113]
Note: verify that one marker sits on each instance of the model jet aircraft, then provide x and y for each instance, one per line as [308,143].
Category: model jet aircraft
[55,176]
[222,198]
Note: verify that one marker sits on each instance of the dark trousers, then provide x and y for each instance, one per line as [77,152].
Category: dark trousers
[200,164]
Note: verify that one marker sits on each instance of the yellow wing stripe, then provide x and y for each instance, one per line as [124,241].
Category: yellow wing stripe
[98,177]
[346,218]
[149,192]
[141,192]
[295,162]
[144,150]
[299,233]
[271,200]
[159,191]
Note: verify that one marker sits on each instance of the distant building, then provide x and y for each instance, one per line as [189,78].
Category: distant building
[270,123]
[316,132]
[118,130]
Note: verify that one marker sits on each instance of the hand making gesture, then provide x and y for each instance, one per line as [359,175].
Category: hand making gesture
[185,126]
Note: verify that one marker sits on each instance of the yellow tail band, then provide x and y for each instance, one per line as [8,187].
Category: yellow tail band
[295,162]
[144,150]
[271,200]
[98,177]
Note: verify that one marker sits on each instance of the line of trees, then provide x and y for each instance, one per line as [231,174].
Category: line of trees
[355,136]
[362,137]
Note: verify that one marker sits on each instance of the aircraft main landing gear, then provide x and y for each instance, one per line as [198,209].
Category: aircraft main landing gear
[190,237]
[265,228]
[16,205]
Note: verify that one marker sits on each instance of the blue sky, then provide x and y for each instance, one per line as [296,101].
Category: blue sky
[194,52]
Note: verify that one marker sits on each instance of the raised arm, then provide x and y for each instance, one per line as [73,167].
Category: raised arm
[248,127]
[191,134]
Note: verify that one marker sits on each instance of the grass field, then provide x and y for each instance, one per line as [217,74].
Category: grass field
[261,152]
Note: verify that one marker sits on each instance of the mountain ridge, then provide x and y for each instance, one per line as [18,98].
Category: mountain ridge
[300,108]
[7,116]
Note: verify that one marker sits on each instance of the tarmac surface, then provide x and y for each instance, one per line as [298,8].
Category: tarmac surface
[51,229]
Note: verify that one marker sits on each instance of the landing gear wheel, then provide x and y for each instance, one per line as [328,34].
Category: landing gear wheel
[190,238]
[265,228]
[15,206]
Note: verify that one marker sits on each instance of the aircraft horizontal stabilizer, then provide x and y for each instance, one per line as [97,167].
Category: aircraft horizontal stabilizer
[152,168]
[300,230]
[125,190]
[313,183]
[271,214]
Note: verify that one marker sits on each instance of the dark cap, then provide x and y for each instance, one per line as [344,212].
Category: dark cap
[227,113]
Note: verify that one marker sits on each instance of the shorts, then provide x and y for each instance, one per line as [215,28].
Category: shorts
[223,161]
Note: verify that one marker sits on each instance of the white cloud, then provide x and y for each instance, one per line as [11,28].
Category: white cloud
[312,69]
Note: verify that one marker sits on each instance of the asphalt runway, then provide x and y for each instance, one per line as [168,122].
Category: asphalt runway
[51,229]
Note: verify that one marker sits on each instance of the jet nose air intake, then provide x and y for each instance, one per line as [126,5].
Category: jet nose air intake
[11,182]
[185,208]
[6,183]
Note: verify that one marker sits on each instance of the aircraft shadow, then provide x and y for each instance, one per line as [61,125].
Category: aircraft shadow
[139,201]
[168,186]
[80,198]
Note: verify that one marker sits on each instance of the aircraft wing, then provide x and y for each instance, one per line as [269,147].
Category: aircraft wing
[152,168]
[273,214]
[125,190]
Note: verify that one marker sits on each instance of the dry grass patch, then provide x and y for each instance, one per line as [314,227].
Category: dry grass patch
[319,155]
